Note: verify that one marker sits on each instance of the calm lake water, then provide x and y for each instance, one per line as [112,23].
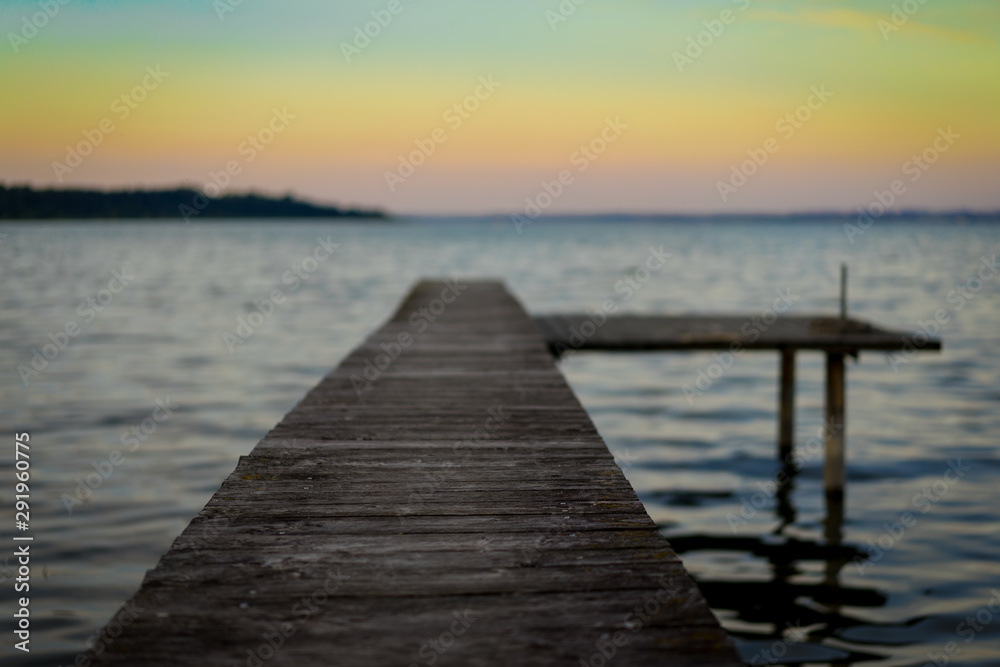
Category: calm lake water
[922,433]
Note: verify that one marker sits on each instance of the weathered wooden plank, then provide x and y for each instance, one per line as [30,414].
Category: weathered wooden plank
[230,539]
[288,521]
[440,498]
[284,576]
[545,629]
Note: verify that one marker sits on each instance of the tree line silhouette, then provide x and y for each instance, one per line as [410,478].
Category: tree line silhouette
[27,203]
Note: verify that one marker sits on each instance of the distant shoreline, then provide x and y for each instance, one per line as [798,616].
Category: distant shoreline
[184,204]
[832,216]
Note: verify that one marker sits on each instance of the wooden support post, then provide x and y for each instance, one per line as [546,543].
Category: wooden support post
[786,408]
[843,291]
[833,470]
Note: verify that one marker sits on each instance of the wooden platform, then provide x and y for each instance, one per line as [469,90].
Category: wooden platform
[630,333]
[455,506]
[837,337]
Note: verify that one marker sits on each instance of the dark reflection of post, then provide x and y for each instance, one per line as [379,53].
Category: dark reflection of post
[833,531]
[783,561]
[786,484]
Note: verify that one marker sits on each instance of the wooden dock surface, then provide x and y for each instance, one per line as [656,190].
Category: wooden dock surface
[444,502]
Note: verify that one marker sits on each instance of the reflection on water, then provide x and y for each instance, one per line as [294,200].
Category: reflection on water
[816,603]
[798,578]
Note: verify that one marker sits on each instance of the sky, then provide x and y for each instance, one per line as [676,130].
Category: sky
[515,107]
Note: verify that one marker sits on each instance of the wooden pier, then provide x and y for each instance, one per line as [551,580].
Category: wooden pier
[440,498]
[836,337]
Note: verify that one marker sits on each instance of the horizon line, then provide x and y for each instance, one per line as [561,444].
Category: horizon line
[804,213]
[859,211]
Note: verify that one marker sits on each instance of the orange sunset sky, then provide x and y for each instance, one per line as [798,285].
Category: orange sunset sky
[294,96]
